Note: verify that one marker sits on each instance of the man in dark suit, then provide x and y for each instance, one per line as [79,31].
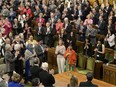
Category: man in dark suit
[67,26]
[39,31]
[46,77]
[41,50]
[102,26]
[88,83]
[35,69]
[48,35]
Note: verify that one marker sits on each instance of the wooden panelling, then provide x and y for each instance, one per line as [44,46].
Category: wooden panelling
[98,71]
[52,57]
[109,73]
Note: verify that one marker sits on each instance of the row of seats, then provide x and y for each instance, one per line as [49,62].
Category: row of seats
[85,64]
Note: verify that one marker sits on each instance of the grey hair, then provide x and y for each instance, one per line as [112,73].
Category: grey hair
[44,66]
[17,47]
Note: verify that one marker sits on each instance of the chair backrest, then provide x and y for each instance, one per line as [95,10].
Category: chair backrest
[109,54]
[82,61]
[90,64]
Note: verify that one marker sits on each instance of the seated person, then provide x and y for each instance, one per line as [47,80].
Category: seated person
[46,77]
[70,56]
[73,82]
[16,79]
[88,83]
[35,69]
[3,81]
[36,82]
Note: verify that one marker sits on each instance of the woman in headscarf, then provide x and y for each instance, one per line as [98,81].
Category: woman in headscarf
[29,53]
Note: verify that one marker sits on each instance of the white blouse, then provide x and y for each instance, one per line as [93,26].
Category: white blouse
[111,40]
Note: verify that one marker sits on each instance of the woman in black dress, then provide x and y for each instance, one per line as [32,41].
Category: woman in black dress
[100,50]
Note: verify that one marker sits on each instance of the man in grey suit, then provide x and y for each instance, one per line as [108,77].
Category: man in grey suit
[91,34]
[40,50]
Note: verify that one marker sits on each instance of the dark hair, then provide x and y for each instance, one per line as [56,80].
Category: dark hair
[112,32]
[36,60]
[35,82]
[89,76]
[73,81]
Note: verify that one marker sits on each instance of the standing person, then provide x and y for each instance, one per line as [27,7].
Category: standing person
[91,34]
[8,26]
[70,57]
[60,50]
[100,50]
[87,49]
[40,50]
[110,39]
[9,59]
[29,54]
[19,60]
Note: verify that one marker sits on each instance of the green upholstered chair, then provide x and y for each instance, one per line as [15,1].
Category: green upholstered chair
[89,66]
[109,54]
[81,62]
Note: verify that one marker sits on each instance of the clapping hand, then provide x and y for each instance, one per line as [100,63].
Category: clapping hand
[16,53]
[95,49]
[51,71]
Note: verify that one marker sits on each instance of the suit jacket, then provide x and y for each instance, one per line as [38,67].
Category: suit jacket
[102,27]
[35,70]
[9,61]
[39,51]
[68,28]
[46,79]
[38,34]
[87,84]
[92,35]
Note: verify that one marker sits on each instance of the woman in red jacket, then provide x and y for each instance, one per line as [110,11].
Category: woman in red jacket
[40,19]
[70,56]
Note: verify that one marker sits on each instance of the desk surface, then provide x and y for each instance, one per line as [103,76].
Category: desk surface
[63,79]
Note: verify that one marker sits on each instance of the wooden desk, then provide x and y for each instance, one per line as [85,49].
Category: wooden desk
[98,71]
[63,79]
[109,73]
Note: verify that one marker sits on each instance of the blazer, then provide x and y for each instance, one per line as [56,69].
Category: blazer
[38,34]
[39,51]
[9,61]
[35,70]
[68,28]
[87,84]
[92,35]
[46,78]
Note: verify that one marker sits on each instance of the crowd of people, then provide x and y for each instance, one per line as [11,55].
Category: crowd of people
[29,27]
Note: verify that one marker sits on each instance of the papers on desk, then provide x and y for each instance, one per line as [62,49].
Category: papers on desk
[98,61]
